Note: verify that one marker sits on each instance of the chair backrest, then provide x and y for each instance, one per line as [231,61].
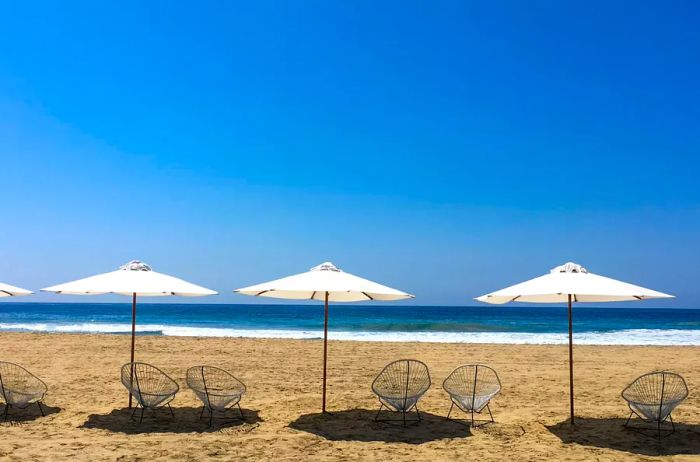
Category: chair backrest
[472,380]
[402,379]
[656,388]
[147,379]
[213,380]
[15,377]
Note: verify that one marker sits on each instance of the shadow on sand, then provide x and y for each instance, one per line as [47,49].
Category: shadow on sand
[359,425]
[610,433]
[28,414]
[185,420]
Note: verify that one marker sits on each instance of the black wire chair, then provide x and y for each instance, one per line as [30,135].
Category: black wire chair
[399,386]
[471,389]
[218,390]
[652,397]
[150,387]
[20,388]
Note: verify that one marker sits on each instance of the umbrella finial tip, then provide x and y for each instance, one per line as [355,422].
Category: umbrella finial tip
[569,267]
[135,265]
[325,266]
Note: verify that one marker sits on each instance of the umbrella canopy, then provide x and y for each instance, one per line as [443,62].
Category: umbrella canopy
[135,279]
[324,279]
[570,279]
[328,283]
[566,284]
[7,290]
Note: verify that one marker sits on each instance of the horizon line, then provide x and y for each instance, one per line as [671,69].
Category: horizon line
[580,305]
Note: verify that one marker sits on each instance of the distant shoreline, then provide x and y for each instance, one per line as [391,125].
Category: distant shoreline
[629,337]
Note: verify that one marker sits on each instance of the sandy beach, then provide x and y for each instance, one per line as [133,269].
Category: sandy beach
[87,416]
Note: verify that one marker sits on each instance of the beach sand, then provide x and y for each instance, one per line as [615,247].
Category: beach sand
[88,418]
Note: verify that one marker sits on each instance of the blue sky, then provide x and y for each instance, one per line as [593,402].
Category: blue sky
[444,149]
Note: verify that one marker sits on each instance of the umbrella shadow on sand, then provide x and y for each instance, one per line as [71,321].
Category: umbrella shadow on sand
[185,420]
[359,425]
[18,416]
[610,433]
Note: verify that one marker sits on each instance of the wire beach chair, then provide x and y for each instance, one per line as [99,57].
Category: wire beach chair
[151,387]
[471,389]
[216,388]
[399,386]
[653,396]
[20,388]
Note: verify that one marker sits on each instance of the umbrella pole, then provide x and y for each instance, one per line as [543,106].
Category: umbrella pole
[325,350]
[571,363]
[133,340]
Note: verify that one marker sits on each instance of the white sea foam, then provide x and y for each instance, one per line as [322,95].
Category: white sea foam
[619,337]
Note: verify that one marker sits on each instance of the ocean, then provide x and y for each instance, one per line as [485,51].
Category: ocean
[469,324]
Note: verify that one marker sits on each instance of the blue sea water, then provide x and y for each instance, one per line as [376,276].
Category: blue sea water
[472,324]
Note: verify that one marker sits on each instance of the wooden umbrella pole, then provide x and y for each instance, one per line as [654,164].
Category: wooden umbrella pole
[325,350]
[133,341]
[571,363]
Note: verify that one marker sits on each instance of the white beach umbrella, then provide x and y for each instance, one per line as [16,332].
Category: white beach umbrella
[7,290]
[328,283]
[566,284]
[134,279]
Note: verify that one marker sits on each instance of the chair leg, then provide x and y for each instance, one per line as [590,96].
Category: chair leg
[628,419]
[211,416]
[141,418]
[201,414]
[240,411]
[491,415]
[38,403]
[171,411]
[136,408]
[469,421]
[380,410]
[398,416]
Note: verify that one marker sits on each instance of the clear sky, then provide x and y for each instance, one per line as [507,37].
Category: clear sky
[444,148]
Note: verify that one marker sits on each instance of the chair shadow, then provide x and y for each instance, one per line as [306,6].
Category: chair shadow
[185,420]
[28,414]
[359,425]
[610,433]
